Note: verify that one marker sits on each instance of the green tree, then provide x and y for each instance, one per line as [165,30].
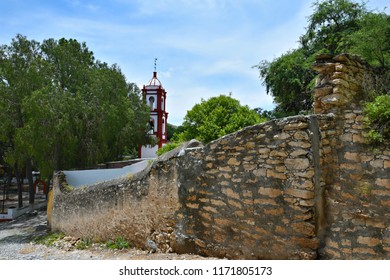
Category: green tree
[288,79]
[62,109]
[330,24]
[216,117]
[20,76]
[86,115]
[335,26]
[372,40]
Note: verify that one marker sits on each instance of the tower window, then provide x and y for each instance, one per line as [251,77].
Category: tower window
[151,124]
[151,102]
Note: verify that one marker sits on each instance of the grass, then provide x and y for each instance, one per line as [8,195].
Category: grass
[49,238]
[119,243]
[84,243]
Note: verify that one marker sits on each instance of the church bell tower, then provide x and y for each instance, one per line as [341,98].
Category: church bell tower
[155,97]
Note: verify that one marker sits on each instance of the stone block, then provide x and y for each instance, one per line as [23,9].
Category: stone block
[210,209]
[307,203]
[304,228]
[193,205]
[277,153]
[281,136]
[271,192]
[363,251]
[264,201]
[280,168]
[351,166]
[249,167]
[239,213]
[300,193]
[250,145]
[230,193]
[300,144]
[312,243]
[380,192]
[369,241]
[225,168]
[205,215]
[222,222]
[357,138]
[297,163]
[375,223]
[346,137]
[308,174]
[261,172]
[235,203]
[301,135]
[352,156]
[296,126]
[274,212]
[233,161]
[303,184]
[383,182]
[264,151]
[276,175]
[346,243]
[216,202]
[332,254]
[274,161]
[377,163]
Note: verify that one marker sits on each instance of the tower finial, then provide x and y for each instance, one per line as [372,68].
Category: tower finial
[155,64]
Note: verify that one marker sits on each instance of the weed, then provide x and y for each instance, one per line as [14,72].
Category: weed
[84,243]
[49,238]
[119,243]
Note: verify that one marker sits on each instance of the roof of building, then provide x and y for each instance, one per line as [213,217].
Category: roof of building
[155,81]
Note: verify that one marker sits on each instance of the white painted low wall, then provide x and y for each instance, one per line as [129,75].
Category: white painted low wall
[79,178]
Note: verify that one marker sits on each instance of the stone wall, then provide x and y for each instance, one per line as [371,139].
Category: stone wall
[358,196]
[135,208]
[252,194]
[303,187]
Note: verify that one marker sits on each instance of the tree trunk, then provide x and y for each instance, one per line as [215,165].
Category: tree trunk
[9,179]
[30,179]
[48,187]
[19,184]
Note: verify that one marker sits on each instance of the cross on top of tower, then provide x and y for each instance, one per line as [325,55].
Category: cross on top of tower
[154,81]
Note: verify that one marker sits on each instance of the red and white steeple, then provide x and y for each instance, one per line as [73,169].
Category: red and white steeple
[155,96]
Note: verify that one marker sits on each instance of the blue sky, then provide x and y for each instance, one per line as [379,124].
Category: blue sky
[204,47]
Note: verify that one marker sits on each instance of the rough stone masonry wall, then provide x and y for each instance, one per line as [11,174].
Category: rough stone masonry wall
[358,197]
[253,194]
[303,187]
[138,208]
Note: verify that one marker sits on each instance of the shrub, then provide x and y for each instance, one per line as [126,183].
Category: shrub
[49,239]
[168,147]
[119,243]
[84,243]
[378,118]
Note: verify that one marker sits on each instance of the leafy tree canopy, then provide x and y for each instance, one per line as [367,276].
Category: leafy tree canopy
[60,108]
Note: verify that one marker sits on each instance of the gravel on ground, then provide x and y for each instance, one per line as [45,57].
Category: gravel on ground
[17,243]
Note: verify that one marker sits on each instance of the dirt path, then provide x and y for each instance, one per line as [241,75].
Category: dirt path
[16,243]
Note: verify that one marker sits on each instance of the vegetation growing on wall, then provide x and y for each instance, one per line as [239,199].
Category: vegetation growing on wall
[378,119]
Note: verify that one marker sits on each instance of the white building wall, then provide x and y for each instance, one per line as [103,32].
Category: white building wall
[149,152]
